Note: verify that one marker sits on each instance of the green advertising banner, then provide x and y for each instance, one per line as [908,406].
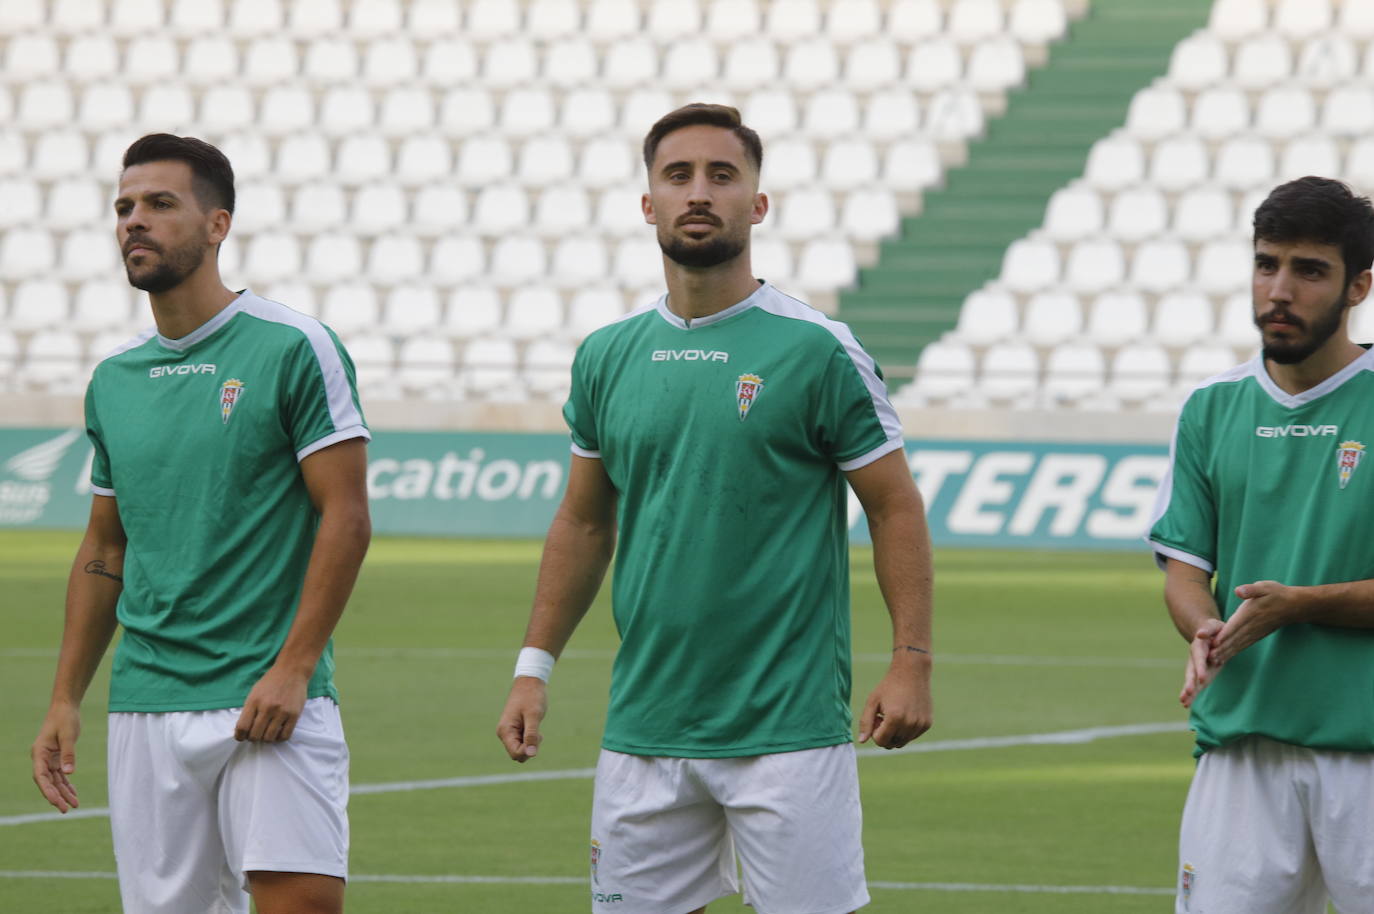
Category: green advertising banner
[489,484]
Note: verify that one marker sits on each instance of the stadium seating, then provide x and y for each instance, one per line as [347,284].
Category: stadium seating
[1151,245]
[418,153]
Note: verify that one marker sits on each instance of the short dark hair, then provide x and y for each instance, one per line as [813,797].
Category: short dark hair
[212,177]
[1323,211]
[702,113]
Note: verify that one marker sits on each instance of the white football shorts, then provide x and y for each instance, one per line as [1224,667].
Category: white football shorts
[665,832]
[193,811]
[1272,828]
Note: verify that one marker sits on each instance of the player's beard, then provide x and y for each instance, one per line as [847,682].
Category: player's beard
[701,254]
[1318,331]
[174,266]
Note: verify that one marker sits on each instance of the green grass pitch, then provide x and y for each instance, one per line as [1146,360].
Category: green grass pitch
[1026,643]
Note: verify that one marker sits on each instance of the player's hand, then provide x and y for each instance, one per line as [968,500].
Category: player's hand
[273,707]
[1266,606]
[54,756]
[900,709]
[1201,668]
[518,728]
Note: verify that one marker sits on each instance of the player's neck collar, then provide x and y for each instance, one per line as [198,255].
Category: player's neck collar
[698,322]
[206,329]
[1365,362]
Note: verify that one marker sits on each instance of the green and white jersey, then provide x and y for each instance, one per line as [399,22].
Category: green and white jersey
[1264,485]
[725,440]
[199,439]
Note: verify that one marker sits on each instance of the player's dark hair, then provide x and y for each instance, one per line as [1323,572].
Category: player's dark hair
[1323,211]
[702,113]
[212,177]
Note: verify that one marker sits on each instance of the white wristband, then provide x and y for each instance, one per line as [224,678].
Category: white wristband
[534,661]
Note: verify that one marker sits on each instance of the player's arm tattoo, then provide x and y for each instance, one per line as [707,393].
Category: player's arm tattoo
[910,649]
[98,567]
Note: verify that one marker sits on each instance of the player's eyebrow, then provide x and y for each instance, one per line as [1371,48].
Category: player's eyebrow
[711,166]
[1312,263]
[150,195]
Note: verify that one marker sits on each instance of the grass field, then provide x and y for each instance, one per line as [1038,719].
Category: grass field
[975,817]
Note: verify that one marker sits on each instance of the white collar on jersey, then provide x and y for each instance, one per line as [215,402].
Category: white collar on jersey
[1365,362]
[219,320]
[736,308]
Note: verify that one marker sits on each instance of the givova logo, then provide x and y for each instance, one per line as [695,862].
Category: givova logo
[25,483]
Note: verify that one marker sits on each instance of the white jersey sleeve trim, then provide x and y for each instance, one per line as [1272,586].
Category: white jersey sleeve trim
[583,452]
[338,392]
[347,434]
[133,343]
[1163,552]
[101,490]
[882,450]
[783,305]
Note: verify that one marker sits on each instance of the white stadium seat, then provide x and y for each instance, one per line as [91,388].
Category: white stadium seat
[1052,316]
[255,17]
[52,360]
[570,63]
[362,158]
[1073,371]
[1156,112]
[517,259]
[406,110]
[971,21]
[579,261]
[605,161]
[375,358]
[1220,111]
[534,311]
[548,367]
[375,17]
[313,18]
[1139,371]
[1356,20]
[1203,213]
[472,311]
[805,212]
[996,64]
[90,58]
[151,59]
[1198,61]
[196,17]
[22,14]
[350,306]
[1311,154]
[44,105]
[873,64]
[831,113]
[527,111]
[1233,19]
[411,308]
[934,65]
[792,20]
[333,256]
[1037,22]
[286,109]
[910,21]
[318,206]
[689,62]
[38,303]
[1030,264]
[228,108]
[102,304]
[1073,213]
[378,208]
[457,259]
[1117,317]
[1303,18]
[490,19]
[259,205]
[169,108]
[1349,111]
[272,256]
[811,64]
[1359,163]
[295,294]
[424,159]
[638,262]
[954,114]
[1160,265]
[1262,61]
[425,365]
[1244,162]
[728,20]
[1328,60]
[772,112]
[23,201]
[270,60]
[1285,111]
[891,113]
[450,62]
[629,63]
[749,64]
[1202,361]
[31,55]
[1179,162]
[1182,318]
[988,315]
[14,151]
[59,154]
[826,264]
[565,208]
[395,259]
[489,367]
[853,21]
[870,214]
[209,60]
[466,111]
[641,108]
[1009,372]
[944,370]
[1224,265]
[1094,264]
[669,20]
[550,19]
[771,258]
[1115,162]
[72,203]
[587,112]
[618,210]
[1138,213]
[500,208]
[593,307]
[610,19]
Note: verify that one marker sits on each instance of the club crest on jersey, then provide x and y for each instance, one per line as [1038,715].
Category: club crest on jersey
[1348,457]
[1185,883]
[596,858]
[747,390]
[229,395]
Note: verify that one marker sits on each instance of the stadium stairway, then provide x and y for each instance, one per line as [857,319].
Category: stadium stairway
[914,292]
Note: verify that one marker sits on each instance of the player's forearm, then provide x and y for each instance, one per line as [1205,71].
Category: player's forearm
[576,556]
[341,543]
[1188,595]
[1349,604]
[93,589]
[902,565]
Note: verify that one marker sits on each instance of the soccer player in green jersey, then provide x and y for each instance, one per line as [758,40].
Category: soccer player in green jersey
[713,432]
[228,523]
[1269,496]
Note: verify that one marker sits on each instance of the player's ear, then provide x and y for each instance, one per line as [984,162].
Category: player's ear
[1359,288]
[220,221]
[760,208]
[647,205]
